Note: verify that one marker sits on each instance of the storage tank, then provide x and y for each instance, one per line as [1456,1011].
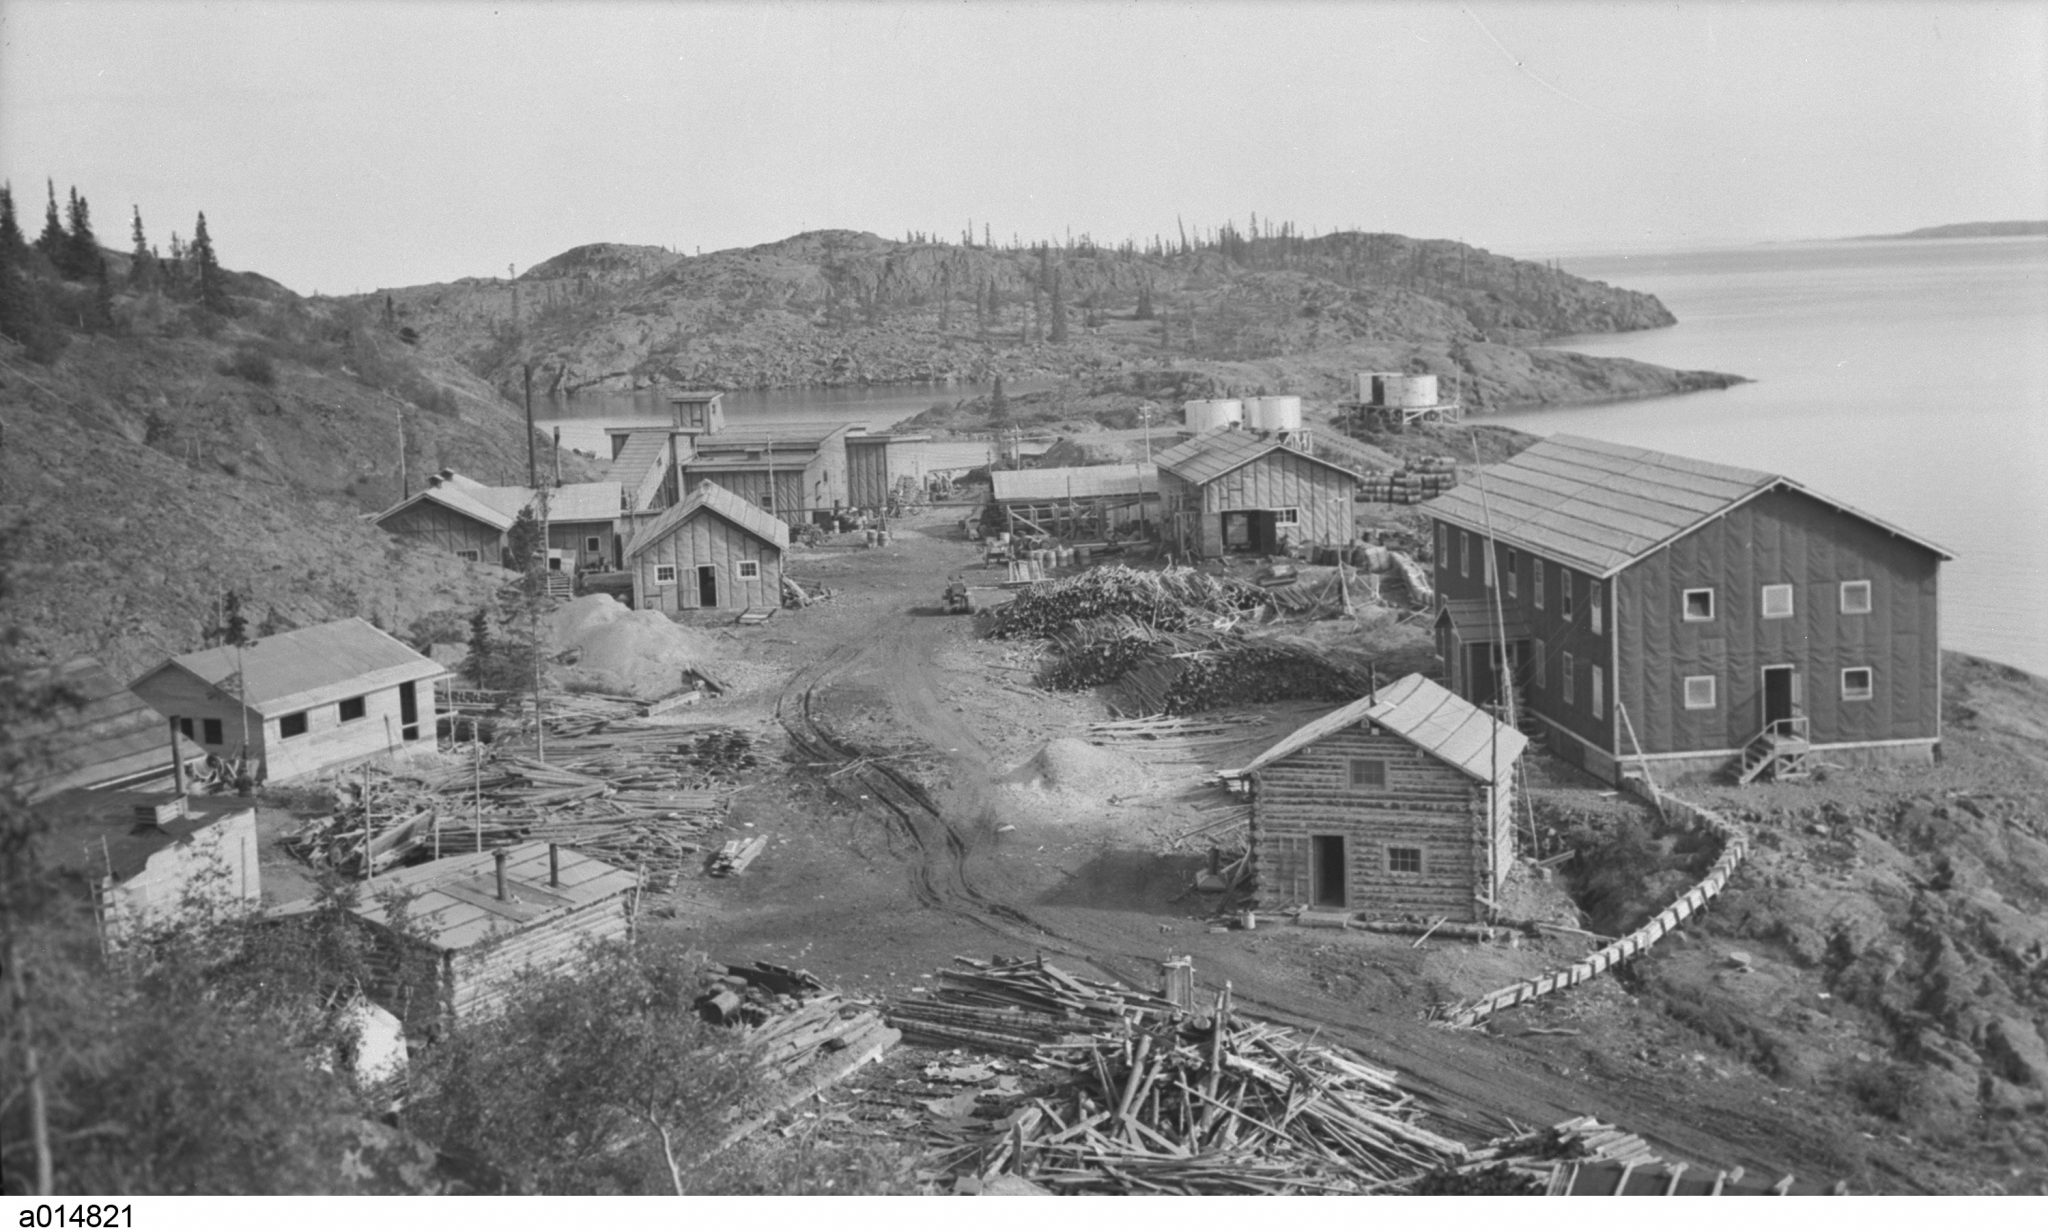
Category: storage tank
[1255,414]
[1418,391]
[1283,413]
[1372,387]
[1197,415]
[1226,411]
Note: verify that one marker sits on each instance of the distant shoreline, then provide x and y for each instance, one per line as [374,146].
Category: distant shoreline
[1967,231]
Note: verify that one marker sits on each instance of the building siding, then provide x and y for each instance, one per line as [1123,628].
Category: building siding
[438,526]
[568,538]
[326,742]
[867,474]
[707,539]
[217,866]
[1282,480]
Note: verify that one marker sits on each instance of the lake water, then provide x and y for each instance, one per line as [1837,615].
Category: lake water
[1906,378]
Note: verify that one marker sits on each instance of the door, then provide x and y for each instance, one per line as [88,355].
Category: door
[408,712]
[1781,694]
[1482,673]
[707,586]
[1326,869]
[1237,532]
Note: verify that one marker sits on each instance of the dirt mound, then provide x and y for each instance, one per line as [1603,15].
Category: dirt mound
[640,654]
[1078,771]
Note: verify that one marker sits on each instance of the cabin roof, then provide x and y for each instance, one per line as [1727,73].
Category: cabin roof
[110,735]
[290,671]
[584,502]
[1473,620]
[1079,482]
[95,833]
[453,902]
[709,497]
[1219,451]
[1601,507]
[783,434]
[1426,715]
[697,395]
[643,451]
[469,498]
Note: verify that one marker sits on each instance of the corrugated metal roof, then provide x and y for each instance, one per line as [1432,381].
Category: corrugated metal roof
[110,735]
[709,497]
[1473,620]
[1600,506]
[1219,451]
[584,502]
[453,901]
[643,451]
[1426,715]
[1078,482]
[291,671]
[470,501]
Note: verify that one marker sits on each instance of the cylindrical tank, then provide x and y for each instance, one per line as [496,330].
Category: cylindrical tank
[1197,414]
[1255,414]
[1418,390]
[1227,411]
[1283,413]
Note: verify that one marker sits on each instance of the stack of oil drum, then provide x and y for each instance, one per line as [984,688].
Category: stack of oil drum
[1412,484]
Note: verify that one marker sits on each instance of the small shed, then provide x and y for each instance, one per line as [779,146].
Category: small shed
[457,514]
[1234,491]
[493,919]
[298,702]
[583,524]
[1400,803]
[150,858]
[1077,502]
[713,550]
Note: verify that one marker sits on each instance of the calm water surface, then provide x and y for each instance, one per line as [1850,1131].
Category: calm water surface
[1906,378]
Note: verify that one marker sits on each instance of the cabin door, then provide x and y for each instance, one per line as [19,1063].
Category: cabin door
[1482,673]
[408,712]
[1326,869]
[707,586]
[1238,532]
[1782,698]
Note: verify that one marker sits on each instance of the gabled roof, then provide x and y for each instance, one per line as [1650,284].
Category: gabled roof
[785,434]
[1078,482]
[291,671]
[470,499]
[109,736]
[1426,715]
[708,497]
[644,450]
[453,904]
[1474,620]
[499,507]
[1601,507]
[1219,451]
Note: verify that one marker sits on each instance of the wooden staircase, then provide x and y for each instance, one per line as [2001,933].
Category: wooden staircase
[561,585]
[1780,751]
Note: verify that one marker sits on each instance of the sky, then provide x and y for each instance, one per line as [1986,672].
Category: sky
[342,147]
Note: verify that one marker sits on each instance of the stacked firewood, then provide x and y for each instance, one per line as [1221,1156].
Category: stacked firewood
[1172,600]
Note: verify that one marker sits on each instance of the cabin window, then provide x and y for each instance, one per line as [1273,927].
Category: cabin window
[1855,598]
[1404,859]
[352,708]
[1777,602]
[1287,517]
[592,544]
[1514,575]
[213,732]
[1593,605]
[1564,593]
[664,575]
[1465,553]
[750,569]
[471,555]
[1536,581]
[1540,673]
[1699,692]
[1564,669]
[1368,772]
[185,725]
[291,725]
[1597,697]
[1857,684]
[1699,604]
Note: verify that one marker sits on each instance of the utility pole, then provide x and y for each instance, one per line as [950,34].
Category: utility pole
[404,470]
[532,468]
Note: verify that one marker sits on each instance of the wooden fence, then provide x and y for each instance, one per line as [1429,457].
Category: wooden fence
[1734,846]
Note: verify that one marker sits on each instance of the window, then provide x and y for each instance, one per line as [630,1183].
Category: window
[213,734]
[1486,560]
[1536,580]
[1514,575]
[185,725]
[1404,859]
[1287,517]
[352,708]
[1855,598]
[1699,604]
[1597,699]
[1368,772]
[1593,604]
[592,544]
[1443,539]
[1541,674]
[1564,669]
[750,569]
[1699,692]
[1465,553]
[664,575]
[469,554]
[1777,602]
[1564,593]
[291,725]
[1857,684]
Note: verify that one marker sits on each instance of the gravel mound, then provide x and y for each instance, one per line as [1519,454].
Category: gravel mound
[1074,767]
[636,654]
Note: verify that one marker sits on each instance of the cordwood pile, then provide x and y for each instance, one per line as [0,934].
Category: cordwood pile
[1166,1100]
[634,653]
[1170,600]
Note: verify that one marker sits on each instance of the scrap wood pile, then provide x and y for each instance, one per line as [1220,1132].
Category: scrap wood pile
[1101,649]
[1171,600]
[1209,1104]
[1020,1007]
[1232,670]
[796,594]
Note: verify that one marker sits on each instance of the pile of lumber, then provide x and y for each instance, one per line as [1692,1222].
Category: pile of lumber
[733,858]
[1172,600]
[1020,1007]
[1211,1104]
[1102,649]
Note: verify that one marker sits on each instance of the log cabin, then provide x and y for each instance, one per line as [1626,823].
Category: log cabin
[1398,804]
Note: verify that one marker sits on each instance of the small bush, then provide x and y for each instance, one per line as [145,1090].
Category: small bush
[252,366]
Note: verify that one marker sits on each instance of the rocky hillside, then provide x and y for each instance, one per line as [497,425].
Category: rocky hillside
[843,307]
[171,454]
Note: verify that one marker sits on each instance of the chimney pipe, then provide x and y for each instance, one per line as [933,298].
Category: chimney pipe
[503,895]
[554,865]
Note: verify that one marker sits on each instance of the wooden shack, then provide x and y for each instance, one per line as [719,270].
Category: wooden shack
[1398,804]
[298,702]
[155,859]
[1683,618]
[1078,502]
[714,550]
[454,513]
[493,920]
[1229,491]
[583,526]
[794,471]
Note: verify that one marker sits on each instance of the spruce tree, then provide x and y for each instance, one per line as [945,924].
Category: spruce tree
[212,284]
[52,241]
[81,247]
[23,316]
[142,265]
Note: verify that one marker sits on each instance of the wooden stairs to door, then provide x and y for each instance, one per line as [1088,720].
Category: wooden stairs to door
[561,586]
[1780,750]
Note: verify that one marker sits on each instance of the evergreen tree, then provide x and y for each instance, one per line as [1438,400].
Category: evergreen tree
[82,248]
[24,316]
[173,267]
[1144,303]
[52,241]
[999,404]
[142,271]
[212,284]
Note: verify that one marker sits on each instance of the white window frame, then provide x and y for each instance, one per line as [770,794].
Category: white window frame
[1685,605]
[472,555]
[1536,580]
[1514,575]
[1593,604]
[1542,675]
[749,570]
[1290,516]
[1564,593]
[1852,587]
[1781,590]
[664,575]
[1596,696]
[1694,701]
[1421,861]
[1869,689]
[1565,666]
